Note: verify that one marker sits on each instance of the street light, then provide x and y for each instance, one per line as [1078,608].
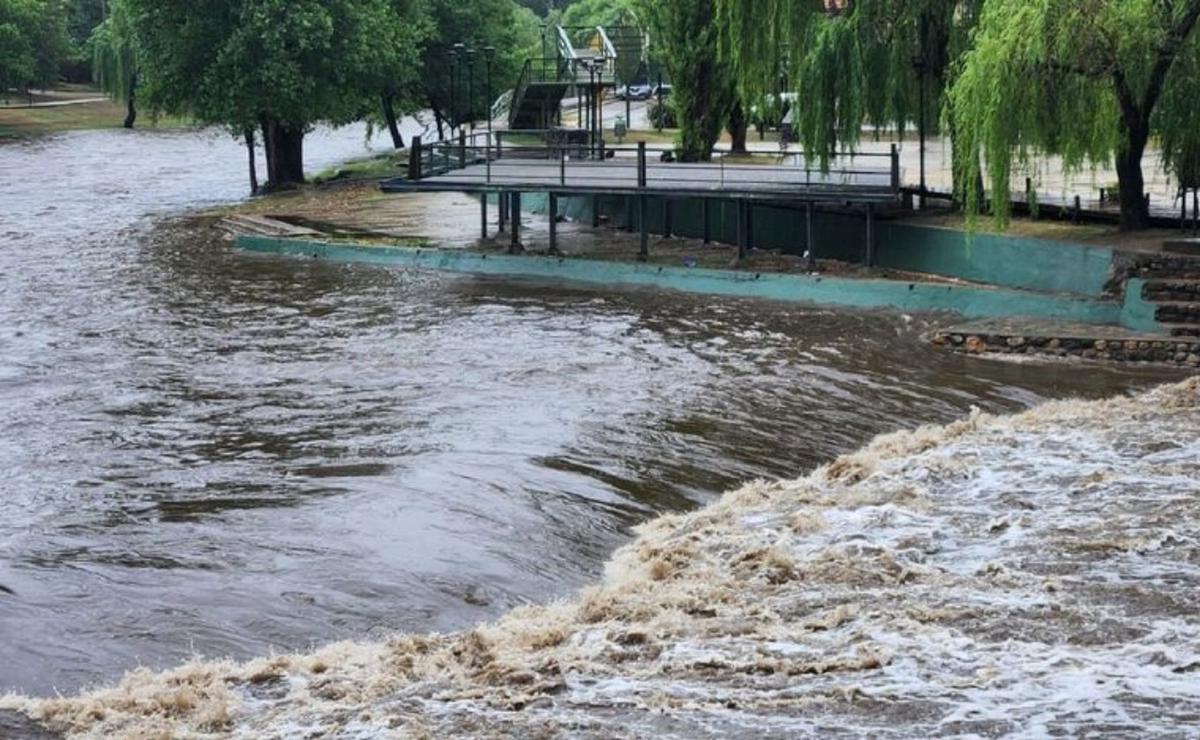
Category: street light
[460,53]
[471,88]
[488,53]
[453,54]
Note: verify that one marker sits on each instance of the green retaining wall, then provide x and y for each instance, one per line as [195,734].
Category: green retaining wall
[971,301]
[996,259]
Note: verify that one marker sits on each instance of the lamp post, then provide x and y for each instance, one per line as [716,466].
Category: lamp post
[453,54]
[488,53]
[460,53]
[471,88]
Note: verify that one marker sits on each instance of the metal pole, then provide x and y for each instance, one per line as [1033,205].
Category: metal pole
[453,92]
[810,245]
[921,127]
[707,220]
[502,208]
[483,224]
[471,87]
[660,101]
[488,53]
[644,245]
[666,217]
[515,243]
[870,235]
[554,224]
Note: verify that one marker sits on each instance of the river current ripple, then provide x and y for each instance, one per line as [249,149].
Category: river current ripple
[209,452]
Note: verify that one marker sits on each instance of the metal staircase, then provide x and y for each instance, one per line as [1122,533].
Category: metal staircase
[537,98]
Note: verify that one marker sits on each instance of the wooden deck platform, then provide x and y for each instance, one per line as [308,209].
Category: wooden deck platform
[620,176]
[589,168]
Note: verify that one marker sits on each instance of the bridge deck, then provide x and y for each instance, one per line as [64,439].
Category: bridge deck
[620,176]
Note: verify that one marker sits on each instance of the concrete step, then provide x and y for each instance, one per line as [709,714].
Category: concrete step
[1167,266]
[1163,290]
[1178,312]
[264,226]
[1182,330]
[1183,245]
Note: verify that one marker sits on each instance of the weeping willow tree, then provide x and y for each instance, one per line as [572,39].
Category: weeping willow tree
[114,62]
[685,36]
[1090,81]
[882,63]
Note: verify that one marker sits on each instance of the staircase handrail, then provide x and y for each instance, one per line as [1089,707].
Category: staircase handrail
[566,47]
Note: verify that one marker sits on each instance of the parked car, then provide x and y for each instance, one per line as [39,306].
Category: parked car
[633,92]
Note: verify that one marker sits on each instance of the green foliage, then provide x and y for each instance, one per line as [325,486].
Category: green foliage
[503,24]
[33,43]
[662,116]
[686,38]
[294,62]
[1087,82]
[114,65]
[868,65]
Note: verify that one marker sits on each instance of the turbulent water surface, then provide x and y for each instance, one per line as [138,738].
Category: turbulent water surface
[214,453]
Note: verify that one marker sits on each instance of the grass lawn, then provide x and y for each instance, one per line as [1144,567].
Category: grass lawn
[21,123]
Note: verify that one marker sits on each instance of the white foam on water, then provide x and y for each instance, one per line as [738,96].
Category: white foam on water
[1026,575]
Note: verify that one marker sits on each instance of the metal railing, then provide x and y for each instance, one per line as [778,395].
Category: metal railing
[486,161]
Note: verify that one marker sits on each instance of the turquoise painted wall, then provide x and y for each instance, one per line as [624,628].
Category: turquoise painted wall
[970,301]
[997,259]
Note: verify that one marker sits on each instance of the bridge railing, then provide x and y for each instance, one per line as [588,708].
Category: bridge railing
[487,160]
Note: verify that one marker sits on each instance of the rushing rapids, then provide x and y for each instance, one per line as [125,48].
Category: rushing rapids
[1033,573]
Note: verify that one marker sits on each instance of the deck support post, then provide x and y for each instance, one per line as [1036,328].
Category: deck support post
[595,211]
[515,244]
[644,244]
[666,217]
[554,250]
[749,225]
[810,243]
[629,214]
[707,204]
[502,207]
[870,235]
[483,224]
[741,229]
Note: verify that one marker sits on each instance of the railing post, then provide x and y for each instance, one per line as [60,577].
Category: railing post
[499,145]
[414,159]
[896,171]
[641,172]
[562,165]
[462,149]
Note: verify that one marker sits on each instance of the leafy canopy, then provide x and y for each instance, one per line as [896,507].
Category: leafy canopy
[1086,81]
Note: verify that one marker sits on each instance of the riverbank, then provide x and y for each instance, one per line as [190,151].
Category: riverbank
[75,108]
[1048,278]
[1022,574]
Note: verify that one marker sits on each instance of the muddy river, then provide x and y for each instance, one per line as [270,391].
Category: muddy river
[206,452]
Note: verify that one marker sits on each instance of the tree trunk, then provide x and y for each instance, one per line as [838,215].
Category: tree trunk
[248,134]
[284,146]
[738,128]
[131,104]
[289,157]
[1135,212]
[268,144]
[437,118]
[389,115]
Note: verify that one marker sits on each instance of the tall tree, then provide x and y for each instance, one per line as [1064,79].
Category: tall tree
[33,43]
[1090,81]
[114,64]
[686,38]
[277,65]
[883,63]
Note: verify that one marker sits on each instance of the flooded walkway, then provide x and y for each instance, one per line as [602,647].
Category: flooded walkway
[210,452]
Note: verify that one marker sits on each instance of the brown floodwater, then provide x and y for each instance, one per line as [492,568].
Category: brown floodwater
[209,452]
